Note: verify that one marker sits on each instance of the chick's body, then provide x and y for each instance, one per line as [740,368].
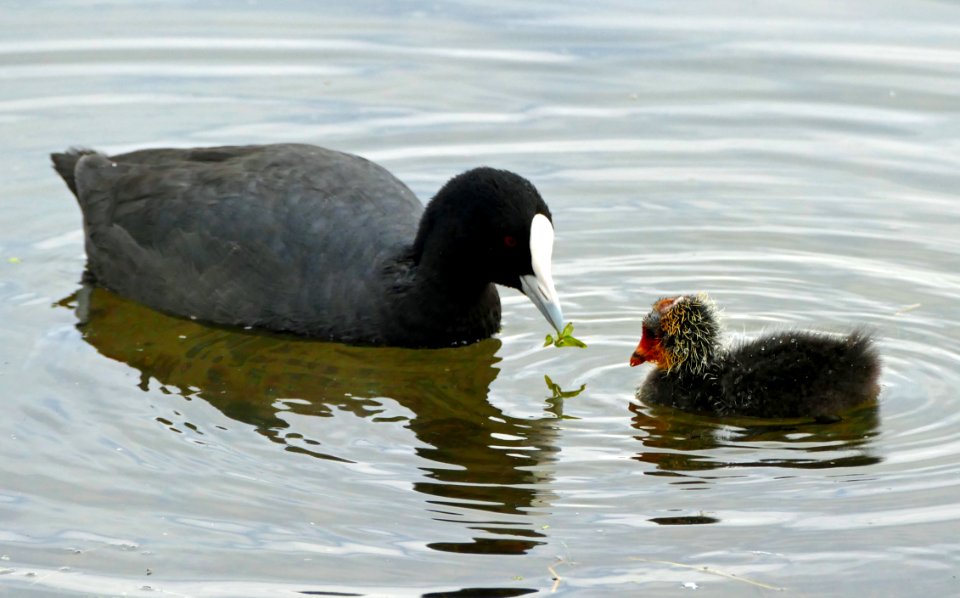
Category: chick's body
[787,374]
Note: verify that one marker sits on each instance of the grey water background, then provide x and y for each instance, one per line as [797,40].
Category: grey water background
[798,161]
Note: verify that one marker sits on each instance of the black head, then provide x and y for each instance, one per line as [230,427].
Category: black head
[490,226]
[679,334]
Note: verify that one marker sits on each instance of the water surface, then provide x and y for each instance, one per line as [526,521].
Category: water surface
[798,162]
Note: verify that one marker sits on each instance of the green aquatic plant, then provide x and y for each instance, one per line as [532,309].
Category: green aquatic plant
[564,339]
[555,401]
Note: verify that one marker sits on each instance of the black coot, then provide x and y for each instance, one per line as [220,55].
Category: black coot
[301,239]
[780,375]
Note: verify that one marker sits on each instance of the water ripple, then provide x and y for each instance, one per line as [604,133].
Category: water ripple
[165,69]
[271,45]
[800,165]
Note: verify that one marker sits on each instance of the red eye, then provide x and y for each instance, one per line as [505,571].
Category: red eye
[510,241]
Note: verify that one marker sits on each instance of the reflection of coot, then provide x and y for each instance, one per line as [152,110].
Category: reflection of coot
[477,458]
[679,444]
[782,375]
[298,238]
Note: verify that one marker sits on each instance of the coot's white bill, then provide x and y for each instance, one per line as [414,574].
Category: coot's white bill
[539,285]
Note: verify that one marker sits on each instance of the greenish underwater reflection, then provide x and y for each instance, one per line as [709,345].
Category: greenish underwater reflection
[486,460]
[680,443]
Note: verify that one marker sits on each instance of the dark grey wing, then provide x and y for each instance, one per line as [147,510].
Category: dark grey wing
[267,236]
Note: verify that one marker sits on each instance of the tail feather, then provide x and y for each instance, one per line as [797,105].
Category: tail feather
[65,163]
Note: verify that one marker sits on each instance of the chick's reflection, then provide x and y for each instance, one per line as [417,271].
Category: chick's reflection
[482,458]
[679,444]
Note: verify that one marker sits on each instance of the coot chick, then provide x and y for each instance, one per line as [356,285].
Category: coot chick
[787,374]
[301,239]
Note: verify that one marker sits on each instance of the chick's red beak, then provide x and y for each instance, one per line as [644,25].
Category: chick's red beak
[647,350]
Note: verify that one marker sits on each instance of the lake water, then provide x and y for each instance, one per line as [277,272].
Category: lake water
[798,161]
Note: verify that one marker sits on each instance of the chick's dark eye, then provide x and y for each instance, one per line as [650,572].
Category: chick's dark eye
[509,241]
[651,324]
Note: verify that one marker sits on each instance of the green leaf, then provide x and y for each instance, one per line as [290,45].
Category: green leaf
[555,402]
[565,338]
[559,393]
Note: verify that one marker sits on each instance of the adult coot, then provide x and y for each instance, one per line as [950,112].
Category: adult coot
[301,239]
[781,375]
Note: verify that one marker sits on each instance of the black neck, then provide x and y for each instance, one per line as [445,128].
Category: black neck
[440,307]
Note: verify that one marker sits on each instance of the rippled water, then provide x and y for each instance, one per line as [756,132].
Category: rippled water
[798,162]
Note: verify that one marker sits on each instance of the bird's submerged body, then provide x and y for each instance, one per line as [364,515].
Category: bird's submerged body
[290,238]
[788,374]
